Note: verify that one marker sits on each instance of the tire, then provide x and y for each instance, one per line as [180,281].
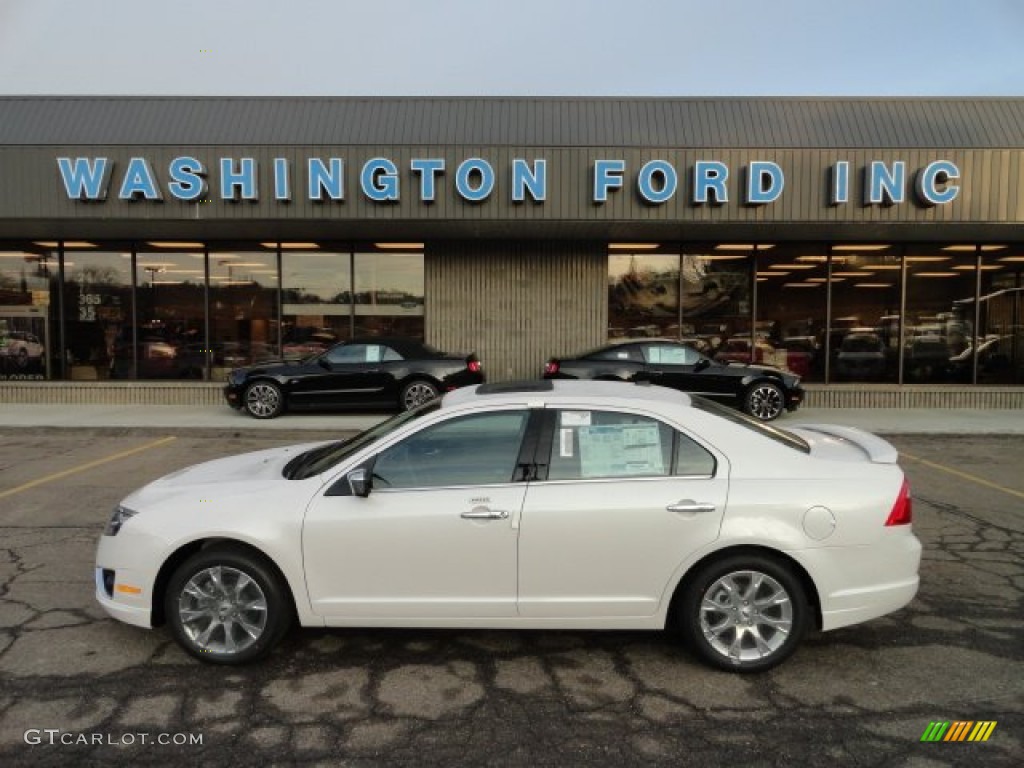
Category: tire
[227,606]
[263,400]
[764,401]
[744,613]
[417,392]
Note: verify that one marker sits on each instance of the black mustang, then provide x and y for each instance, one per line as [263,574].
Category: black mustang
[360,372]
[761,391]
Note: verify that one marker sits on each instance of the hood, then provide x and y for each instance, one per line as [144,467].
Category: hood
[255,470]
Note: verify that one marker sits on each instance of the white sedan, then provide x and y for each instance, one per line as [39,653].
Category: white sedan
[530,505]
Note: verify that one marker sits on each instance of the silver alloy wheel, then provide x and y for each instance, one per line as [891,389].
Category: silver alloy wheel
[417,393]
[746,616]
[765,402]
[222,610]
[262,400]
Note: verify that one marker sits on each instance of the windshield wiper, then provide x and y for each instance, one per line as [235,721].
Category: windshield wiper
[306,458]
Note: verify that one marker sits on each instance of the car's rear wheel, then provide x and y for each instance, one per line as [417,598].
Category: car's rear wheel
[264,400]
[764,401]
[416,393]
[227,606]
[744,613]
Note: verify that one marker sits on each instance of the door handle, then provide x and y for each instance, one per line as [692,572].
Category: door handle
[688,505]
[484,513]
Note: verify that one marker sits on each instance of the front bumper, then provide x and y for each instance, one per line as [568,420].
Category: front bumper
[794,398]
[234,396]
[125,576]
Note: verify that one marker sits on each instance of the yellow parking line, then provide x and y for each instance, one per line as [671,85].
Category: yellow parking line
[964,475]
[86,466]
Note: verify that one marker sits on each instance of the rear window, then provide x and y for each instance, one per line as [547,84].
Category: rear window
[772,433]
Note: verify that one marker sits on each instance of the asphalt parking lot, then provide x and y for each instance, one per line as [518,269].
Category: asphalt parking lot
[78,688]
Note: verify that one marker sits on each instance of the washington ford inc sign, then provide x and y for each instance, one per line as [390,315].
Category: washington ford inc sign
[475,180]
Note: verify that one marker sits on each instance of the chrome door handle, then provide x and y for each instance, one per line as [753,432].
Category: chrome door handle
[688,505]
[483,513]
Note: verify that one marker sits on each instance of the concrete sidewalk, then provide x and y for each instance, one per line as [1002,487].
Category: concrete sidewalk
[883,421]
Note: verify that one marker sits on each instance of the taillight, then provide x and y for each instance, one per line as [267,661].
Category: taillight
[551,367]
[903,509]
[474,366]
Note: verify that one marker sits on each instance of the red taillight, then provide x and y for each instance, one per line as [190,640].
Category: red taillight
[551,367]
[474,366]
[903,509]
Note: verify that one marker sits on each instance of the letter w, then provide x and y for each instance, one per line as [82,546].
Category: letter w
[84,180]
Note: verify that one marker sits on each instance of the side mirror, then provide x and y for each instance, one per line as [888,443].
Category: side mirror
[322,362]
[702,364]
[359,482]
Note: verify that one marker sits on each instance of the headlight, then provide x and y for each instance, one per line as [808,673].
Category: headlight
[120,517]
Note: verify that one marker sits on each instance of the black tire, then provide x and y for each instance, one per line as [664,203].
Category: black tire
[721,619]
[263,400]
[417,392]
[764,400]
[227,606]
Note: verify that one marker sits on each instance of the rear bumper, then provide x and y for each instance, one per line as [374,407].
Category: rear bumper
[794,398]
[857,584]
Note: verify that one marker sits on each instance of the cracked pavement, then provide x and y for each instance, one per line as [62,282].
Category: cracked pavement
[861,696]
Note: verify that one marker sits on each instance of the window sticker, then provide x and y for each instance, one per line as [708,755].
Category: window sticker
[575,418]
[373,353]
[621,450]
[565,443]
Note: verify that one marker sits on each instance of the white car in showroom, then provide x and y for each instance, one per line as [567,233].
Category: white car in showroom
[529,505]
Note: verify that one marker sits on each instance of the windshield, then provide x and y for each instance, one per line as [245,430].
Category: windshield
[774,433]
[322,458]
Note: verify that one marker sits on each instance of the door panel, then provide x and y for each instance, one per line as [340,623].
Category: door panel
[411,553]
[609,547]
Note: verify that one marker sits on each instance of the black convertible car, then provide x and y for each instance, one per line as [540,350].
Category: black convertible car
[761,391]
[360,372]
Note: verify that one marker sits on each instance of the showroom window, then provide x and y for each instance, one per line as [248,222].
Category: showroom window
[243,307]
[97,308]
[389,291]
[791,307]
[863,339]
[316,303]
[643,291]
[28,311]
[1000,315]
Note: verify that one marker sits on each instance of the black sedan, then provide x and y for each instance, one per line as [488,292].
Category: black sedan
[761,391]
[360,372]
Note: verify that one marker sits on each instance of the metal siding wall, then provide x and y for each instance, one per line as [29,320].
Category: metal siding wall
[516,304]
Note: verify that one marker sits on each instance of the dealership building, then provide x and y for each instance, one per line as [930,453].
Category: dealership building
[875,246]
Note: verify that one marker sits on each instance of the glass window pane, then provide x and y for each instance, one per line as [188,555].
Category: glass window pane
[389,294]
[97,309]
[792,292]
[937,332]
[716,300]
[598,444]
[317,301]
[472,450]
[171,301]
[28,307]
[863,339]
[1001,316]
[243,309]
[643,294]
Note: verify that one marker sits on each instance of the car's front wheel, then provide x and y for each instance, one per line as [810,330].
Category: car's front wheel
[264,400]
[416,393]
[745,613]
[764,401]
[227,606]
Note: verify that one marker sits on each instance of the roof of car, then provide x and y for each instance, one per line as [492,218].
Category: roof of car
[563,390]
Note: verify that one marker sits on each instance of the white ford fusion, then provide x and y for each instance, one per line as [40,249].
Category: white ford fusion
[541,505]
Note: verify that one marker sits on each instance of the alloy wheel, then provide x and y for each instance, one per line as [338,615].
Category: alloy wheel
[765,402]
[417,393]
[746,616]
[263,400]
[222,610]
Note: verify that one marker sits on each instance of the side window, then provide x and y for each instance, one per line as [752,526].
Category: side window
[599,444]
[666,355]
[389,355]
[625,352]
[350,353]
[481,449]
